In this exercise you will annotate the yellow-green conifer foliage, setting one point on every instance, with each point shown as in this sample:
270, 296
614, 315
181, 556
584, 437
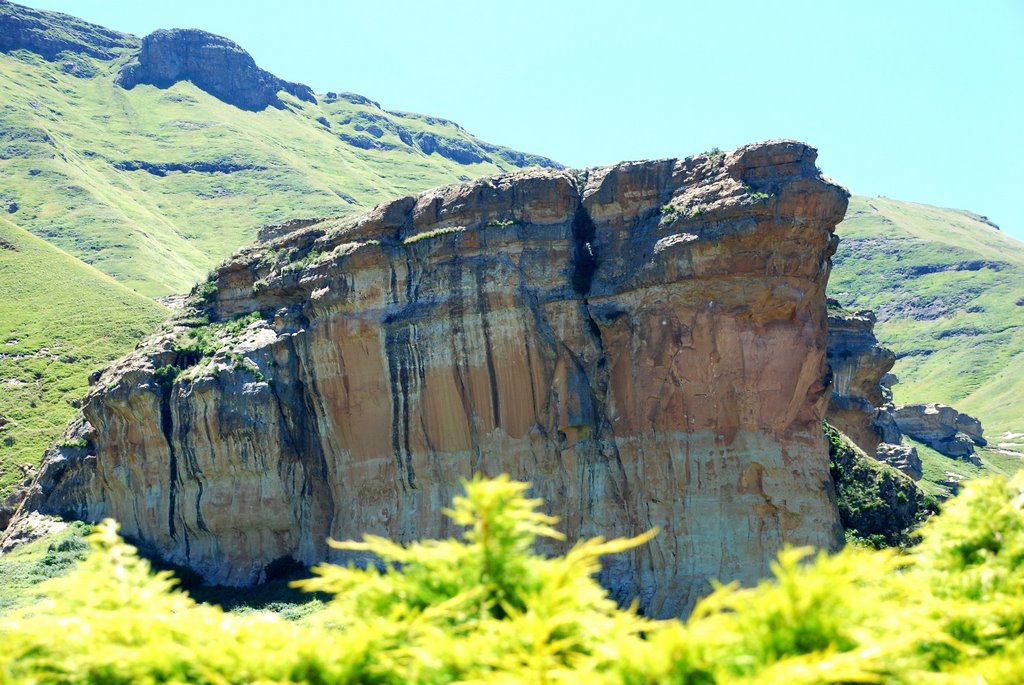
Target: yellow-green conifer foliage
487, 608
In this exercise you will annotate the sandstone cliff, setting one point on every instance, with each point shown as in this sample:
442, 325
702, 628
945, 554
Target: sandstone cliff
646, 343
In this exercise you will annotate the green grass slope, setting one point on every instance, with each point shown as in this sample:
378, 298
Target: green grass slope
59, 320
948, 288
155, 186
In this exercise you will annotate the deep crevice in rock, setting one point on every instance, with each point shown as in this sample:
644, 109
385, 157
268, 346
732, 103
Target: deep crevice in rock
584, 259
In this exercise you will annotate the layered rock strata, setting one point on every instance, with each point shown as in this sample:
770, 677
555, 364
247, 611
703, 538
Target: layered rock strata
645, 343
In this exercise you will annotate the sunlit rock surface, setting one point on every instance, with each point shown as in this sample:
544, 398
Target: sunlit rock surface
645, 343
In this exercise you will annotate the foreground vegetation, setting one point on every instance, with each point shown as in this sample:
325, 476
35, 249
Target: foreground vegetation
488, 609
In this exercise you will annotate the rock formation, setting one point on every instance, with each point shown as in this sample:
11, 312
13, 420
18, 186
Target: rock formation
861, 404
858, 364
213, 63
901, 457
9, 505
646, 343
942, 428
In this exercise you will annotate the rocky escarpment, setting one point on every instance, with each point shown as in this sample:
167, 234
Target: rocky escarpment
213, 63
861, 405
646, 343
942, 428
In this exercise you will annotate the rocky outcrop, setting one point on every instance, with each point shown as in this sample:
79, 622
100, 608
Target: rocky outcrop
51, 34
901, 457
942, 428
217, 167
858, 365
213, 63
861, 405
645, 343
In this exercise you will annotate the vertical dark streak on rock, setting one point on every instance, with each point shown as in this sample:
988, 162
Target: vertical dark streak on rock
584, 259
167, 428
393, 285
199, 512
585, 256
193, 470
397, 398
396, 349
485, 326
304, 434
404, 373
460, 357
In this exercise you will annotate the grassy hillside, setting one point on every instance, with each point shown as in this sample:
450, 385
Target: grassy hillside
59, 320
155, 186
948, 288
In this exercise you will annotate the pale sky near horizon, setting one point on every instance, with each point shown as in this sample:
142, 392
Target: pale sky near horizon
914, 100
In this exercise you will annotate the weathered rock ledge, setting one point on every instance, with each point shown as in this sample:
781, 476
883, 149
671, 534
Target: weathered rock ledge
646, 343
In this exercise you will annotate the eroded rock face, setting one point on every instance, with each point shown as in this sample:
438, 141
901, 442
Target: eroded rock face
645, 343
213, 63
858, 366
941, 427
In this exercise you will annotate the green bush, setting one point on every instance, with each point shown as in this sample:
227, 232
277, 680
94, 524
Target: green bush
488, 609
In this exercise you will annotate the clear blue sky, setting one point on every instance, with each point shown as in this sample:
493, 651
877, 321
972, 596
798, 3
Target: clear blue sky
920, 100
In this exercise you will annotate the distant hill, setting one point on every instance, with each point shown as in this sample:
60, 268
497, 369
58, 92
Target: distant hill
155, 185
59, 320
948, 288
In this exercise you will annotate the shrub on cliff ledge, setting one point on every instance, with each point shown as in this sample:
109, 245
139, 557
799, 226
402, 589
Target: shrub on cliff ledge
488, 609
